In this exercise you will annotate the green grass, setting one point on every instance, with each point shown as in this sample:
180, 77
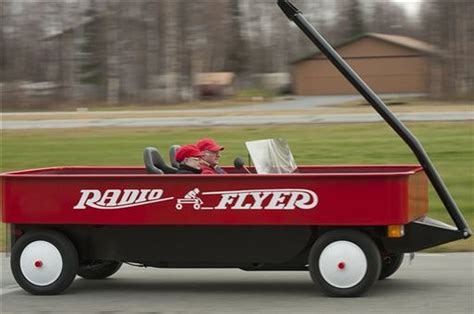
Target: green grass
3, 237
250, 93
450, 146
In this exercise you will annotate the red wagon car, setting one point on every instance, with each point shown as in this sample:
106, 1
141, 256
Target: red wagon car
348, 225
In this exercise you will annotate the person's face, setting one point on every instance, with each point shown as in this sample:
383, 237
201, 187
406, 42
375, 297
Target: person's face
211, 157
193, 162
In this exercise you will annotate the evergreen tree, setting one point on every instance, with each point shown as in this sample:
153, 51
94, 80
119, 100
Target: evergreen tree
237, 46
92, 67
356, 18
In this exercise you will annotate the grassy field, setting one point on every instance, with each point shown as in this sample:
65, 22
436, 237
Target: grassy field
450, 146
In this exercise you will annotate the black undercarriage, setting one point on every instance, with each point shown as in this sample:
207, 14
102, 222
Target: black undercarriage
246, 247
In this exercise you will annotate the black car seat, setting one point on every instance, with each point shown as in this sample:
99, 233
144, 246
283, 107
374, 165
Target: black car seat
154, 163
173, 150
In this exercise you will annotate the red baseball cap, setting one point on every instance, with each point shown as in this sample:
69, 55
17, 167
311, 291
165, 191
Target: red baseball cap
187, 151
209, 144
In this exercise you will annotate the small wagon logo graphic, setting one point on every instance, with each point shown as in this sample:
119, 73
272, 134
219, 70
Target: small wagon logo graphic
190, 198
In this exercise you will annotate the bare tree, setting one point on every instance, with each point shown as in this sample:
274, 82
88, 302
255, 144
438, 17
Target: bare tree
3, 42
449, 26
389, 18
349, 19
151, 50
236, 42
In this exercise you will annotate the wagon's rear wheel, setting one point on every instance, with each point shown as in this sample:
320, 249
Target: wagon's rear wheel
44, 262
344, 263
390, 264
98, 269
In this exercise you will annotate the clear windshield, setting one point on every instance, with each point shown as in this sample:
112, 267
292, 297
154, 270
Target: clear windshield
271, 156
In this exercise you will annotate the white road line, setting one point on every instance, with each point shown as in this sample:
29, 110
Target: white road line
9, 289
229, 120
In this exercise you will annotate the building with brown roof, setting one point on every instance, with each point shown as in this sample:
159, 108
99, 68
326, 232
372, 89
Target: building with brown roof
387, 63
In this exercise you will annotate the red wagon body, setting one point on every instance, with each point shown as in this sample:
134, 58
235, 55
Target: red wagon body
323, 195
91, 219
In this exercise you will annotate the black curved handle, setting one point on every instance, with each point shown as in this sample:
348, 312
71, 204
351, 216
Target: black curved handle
288, 8
296, 16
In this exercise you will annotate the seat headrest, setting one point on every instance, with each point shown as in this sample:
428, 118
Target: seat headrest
172, 152
154, 163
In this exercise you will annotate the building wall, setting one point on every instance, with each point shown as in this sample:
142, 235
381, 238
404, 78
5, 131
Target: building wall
386, 68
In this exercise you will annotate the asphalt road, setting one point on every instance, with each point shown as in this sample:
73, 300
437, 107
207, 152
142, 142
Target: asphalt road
310, 102
432, 283
215, 117
229, 120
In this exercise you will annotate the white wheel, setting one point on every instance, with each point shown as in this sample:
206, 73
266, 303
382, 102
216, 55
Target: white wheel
41, 263
179, 206
197, 206
343, 264
44, 262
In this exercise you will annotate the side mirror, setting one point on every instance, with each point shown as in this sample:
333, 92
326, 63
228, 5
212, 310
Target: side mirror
240, 164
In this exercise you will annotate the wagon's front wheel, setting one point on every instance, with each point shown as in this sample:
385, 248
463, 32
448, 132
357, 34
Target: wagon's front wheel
344, 263
44, 262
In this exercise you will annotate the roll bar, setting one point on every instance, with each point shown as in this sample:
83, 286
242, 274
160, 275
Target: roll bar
297, 17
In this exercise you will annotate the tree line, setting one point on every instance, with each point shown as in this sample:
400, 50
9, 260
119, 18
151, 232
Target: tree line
138, 51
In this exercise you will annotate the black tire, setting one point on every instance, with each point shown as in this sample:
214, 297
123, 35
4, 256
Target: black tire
98, 269
67, 259
390, 264
363, 245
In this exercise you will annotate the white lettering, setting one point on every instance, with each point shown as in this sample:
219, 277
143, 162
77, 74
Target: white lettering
128, 197
291, 202
259, 197
226, 199
240, 201
91, 196
277, 201
117, 199
304, 201
109, 198
266, 199
142, 197
155, 195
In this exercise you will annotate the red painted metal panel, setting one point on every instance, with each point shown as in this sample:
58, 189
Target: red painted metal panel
322, 195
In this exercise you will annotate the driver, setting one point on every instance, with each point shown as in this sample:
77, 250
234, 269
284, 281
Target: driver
189, 157
210, 156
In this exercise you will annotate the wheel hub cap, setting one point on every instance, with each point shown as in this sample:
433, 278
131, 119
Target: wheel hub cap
342, 264
41, 263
